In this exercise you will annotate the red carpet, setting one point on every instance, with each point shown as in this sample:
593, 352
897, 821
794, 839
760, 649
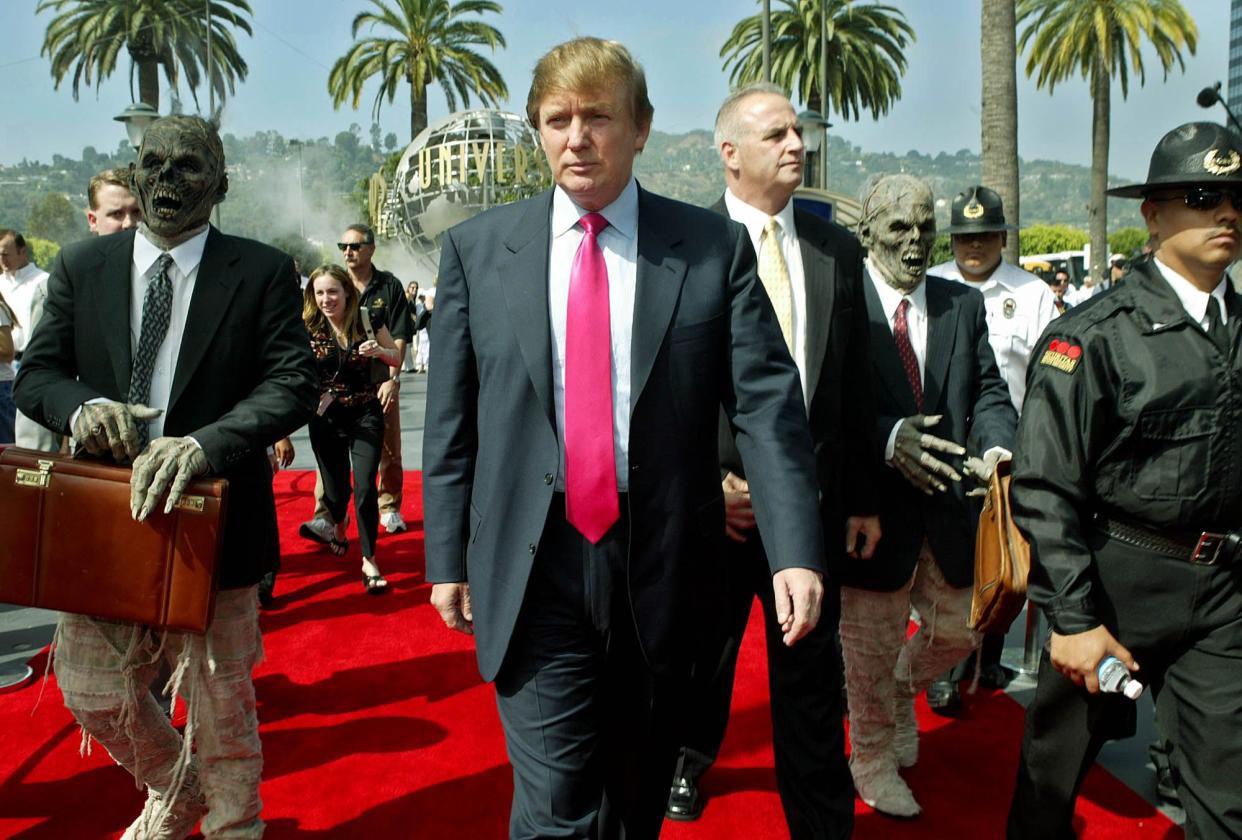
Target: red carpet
375, 724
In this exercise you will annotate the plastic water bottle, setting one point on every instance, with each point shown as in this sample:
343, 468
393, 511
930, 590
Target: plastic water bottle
1115, 678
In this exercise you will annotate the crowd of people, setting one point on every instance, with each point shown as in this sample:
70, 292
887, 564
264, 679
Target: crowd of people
641, 416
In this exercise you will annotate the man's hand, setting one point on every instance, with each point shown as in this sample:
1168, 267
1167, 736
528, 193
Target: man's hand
867, 527
110, 428
284, 452
1079, 654
981, 469
739, 516
452, 601
167, 464
799, 597
912, 454
388, 391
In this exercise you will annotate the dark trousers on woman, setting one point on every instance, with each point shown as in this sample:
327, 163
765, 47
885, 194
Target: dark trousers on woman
341, 435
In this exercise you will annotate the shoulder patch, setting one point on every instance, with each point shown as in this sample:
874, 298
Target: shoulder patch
1062, 355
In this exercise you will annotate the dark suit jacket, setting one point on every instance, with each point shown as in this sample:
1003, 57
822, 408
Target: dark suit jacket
703, 336
245, 376
961, 381
838, 372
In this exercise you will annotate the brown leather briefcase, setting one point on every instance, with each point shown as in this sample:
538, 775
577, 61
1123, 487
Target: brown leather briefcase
1002, 560
69, 543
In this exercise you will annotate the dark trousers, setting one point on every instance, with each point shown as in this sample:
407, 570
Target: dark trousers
804, 681
588, 726
340, 435
1183, 625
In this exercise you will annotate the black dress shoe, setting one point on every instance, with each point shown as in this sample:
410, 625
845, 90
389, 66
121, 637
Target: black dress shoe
684, 803
995, 676
267, 586
944, 698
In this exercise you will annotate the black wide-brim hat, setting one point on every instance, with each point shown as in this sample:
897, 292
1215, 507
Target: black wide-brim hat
977, 210
1197, 154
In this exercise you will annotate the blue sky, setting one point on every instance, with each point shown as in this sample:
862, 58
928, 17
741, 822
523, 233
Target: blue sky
296, 41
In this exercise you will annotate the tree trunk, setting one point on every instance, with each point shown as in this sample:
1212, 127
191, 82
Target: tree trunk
149, 82
1097, 210
418, 109
999, 110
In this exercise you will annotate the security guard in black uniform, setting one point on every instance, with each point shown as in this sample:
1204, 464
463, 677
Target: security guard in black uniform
1128, 480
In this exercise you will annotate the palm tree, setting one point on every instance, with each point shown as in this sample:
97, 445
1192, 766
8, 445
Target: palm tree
87, 36
999, 109
866, 43
1098, 39
431, 44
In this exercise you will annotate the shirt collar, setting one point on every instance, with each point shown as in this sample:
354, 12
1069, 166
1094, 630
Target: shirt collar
29, 271
890, 298
187, 255
1193, 300
1004, 275
755, 219
622, 214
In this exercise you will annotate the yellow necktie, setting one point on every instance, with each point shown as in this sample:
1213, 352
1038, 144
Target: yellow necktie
775, 277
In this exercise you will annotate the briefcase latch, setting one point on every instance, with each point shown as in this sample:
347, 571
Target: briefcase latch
35, 478
191, 504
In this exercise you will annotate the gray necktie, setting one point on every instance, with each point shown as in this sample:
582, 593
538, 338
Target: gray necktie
156, 310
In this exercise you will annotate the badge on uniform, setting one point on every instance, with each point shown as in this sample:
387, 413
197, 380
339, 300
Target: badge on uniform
1009, 307
377, 302
1062, 355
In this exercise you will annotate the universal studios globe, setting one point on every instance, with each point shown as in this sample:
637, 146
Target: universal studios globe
456, 168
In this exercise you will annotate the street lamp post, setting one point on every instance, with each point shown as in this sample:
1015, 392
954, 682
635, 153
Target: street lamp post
814, 138
136, 118
301, 195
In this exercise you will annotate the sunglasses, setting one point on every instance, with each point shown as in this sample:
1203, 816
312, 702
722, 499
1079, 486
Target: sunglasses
1205, 199
352, 246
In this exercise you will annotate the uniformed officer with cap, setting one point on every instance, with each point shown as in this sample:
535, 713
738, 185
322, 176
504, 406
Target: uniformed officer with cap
1019, 308
1128, 480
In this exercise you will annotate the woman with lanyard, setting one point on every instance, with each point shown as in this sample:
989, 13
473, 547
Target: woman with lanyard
349, 423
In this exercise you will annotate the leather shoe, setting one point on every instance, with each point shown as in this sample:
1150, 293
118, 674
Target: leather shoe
995, 676
944, 698
684, 803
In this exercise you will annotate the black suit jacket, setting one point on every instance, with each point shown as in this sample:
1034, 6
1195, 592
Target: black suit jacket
703, 336
839, 377
245, 376
962, 382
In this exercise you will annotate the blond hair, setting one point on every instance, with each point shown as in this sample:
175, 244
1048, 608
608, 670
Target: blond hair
315, 320
590, 64
109, 177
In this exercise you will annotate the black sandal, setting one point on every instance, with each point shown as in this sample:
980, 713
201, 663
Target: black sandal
338, 547
374, 584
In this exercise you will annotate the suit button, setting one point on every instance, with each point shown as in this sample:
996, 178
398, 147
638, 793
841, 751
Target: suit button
547, 478
531, 548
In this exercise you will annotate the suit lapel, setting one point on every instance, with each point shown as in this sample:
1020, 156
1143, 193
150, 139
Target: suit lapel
213, 289
523, 275
660, 276
113, 296
819, 272
941, 325
884, 353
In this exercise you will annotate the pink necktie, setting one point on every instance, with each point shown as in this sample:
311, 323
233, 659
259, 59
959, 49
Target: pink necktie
591, 503
909, 361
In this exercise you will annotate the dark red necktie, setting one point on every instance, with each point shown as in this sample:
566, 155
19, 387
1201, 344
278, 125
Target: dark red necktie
591, 503
905, 350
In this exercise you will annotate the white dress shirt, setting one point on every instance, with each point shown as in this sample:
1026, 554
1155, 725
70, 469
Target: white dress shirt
755, 220
18, 288
183, 273
1193, 300
1019, 307
916, 321
619, 244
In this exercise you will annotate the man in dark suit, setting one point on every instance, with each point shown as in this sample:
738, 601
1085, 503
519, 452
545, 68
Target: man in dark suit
935, 370
812, 270
180, 334
585, 342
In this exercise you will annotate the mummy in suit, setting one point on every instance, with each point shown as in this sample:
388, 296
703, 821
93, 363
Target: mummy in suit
938, 393
586, 340
181, 334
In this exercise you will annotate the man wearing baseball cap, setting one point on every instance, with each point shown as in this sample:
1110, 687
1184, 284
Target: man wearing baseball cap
1128, 480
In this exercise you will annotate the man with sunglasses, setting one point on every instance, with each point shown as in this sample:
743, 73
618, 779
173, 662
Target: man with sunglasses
1128, 480
383, 296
